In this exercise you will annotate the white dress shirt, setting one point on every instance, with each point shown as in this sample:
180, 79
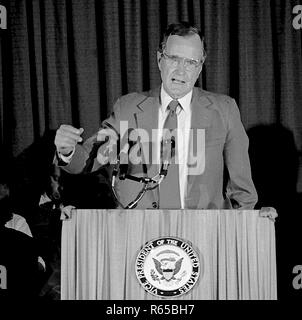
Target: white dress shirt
183, 125
19, 223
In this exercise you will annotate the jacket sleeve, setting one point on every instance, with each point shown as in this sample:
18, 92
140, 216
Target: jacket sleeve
240, 187
86, 156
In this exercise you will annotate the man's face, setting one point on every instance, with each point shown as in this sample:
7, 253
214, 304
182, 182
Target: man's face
54, 188
4, 203
178, 79
4, 190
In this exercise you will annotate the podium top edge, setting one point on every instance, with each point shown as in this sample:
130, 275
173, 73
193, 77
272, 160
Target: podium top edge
185, 211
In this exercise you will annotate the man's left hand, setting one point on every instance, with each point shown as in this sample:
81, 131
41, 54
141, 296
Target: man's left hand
268, 212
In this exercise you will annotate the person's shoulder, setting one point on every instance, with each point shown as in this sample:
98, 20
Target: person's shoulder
214, 97
8, 234
128, 103
222, 103
133, 97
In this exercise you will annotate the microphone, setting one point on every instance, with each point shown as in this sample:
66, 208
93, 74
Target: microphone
167, 152
123, 160
120, 168
124, 157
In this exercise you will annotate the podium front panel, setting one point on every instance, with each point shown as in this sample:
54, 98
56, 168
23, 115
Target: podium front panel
236, 250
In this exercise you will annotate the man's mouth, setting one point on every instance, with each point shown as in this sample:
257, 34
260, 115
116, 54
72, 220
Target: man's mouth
178, 81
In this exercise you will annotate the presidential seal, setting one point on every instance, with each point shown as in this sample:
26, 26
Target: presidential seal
167, 267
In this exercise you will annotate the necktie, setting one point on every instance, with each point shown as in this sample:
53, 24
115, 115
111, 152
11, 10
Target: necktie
169, 188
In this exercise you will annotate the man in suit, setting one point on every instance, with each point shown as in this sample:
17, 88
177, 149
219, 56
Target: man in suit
18, 255
207, 129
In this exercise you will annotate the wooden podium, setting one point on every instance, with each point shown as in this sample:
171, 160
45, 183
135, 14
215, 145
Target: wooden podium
100, 247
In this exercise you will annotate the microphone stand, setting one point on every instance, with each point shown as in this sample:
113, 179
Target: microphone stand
149, 183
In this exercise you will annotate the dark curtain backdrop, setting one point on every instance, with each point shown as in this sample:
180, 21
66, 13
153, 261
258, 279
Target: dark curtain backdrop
67, 61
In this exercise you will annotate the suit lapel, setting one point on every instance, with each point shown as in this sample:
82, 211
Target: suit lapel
146, 118
201, 115
147, 112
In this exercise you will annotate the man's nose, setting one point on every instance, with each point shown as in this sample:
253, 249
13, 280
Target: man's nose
181, 66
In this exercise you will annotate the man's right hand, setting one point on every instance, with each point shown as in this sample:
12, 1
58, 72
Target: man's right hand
66, 138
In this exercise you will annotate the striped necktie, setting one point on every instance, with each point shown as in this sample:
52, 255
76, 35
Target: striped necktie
169, 188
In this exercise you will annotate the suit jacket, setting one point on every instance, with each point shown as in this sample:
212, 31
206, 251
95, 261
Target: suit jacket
226, 146
19, 257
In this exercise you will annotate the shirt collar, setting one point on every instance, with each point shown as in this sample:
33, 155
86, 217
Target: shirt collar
185, 101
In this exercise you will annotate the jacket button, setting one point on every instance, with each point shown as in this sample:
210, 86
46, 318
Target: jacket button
154, 205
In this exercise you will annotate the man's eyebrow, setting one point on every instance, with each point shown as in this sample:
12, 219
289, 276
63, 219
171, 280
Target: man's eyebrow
192, 59
175, 55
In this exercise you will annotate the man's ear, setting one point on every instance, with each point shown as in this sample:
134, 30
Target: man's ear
200, 69
159, 56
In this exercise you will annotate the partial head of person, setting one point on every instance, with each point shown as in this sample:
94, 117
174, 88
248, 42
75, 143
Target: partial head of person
5, 202
53, 183
180, 58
